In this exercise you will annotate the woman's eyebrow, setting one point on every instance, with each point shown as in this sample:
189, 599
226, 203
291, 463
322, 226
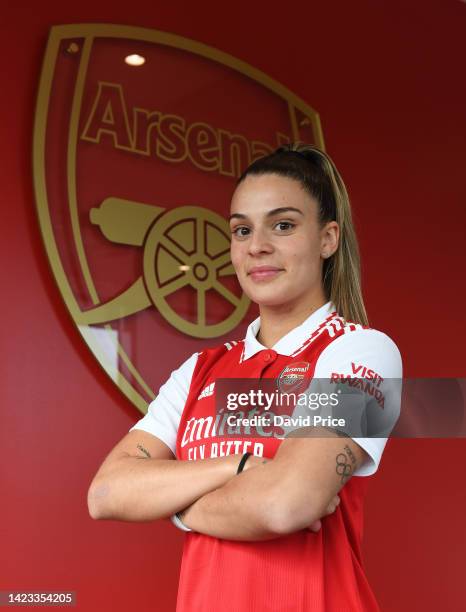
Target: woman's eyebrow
271, 213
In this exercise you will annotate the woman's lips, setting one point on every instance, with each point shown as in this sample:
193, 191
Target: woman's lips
259, 273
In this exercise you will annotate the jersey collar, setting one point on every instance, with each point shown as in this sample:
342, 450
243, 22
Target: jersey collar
293, 339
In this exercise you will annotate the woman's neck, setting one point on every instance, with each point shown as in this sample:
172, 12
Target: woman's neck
276, 322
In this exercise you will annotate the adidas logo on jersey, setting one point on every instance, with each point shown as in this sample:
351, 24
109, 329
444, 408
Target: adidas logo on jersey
209, 390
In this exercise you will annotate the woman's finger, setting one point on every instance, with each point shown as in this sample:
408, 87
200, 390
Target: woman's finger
315, 526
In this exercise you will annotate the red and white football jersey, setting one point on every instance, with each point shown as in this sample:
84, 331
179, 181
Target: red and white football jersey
302, 571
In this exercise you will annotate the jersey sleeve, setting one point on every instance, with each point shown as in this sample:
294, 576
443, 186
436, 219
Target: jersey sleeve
164, 412
373, 357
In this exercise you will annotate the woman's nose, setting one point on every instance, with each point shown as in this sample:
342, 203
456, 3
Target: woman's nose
259, 243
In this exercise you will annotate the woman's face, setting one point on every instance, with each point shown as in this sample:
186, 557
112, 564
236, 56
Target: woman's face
277, 243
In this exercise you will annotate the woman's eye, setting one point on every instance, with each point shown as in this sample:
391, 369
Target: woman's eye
283, 226
240, 231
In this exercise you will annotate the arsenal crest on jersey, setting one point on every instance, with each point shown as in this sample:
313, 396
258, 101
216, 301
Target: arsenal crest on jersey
294, 378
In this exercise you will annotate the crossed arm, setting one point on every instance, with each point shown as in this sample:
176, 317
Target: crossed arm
280, 496
274, 498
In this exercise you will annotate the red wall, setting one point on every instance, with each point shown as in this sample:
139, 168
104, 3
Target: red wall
387, 80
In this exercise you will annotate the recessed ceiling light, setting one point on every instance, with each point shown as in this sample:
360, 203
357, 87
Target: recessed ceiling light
135, 60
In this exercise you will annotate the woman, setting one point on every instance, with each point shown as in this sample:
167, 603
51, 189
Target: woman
255, 541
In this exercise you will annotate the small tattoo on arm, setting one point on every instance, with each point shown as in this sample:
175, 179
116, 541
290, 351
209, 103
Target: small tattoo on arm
344, 468
350, 454
145, 451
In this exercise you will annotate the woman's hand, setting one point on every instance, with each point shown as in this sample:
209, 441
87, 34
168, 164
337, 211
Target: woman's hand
316, 525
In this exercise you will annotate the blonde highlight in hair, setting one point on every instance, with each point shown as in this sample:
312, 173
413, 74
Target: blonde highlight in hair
315, 170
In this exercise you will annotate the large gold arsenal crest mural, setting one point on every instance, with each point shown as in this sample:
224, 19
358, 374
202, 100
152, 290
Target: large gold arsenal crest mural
139, 139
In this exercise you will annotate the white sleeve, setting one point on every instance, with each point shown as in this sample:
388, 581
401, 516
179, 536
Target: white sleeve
164, 412
347, 356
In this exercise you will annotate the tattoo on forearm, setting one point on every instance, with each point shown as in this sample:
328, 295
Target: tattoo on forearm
144, 450
343, 466
350, 454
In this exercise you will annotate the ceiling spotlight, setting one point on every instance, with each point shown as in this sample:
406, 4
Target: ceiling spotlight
135, 60
184, 268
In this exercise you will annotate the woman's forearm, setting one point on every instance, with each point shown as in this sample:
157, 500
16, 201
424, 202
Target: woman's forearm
242, 509
145, 489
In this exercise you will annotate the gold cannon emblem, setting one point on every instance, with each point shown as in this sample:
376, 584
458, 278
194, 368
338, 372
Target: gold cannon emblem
185, 246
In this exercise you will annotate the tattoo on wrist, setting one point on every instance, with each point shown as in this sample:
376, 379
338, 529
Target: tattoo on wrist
144, 450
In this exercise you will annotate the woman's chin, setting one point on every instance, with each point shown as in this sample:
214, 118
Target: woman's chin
268, 297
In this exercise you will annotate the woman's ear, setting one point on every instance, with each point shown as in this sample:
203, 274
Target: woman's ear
330, 235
